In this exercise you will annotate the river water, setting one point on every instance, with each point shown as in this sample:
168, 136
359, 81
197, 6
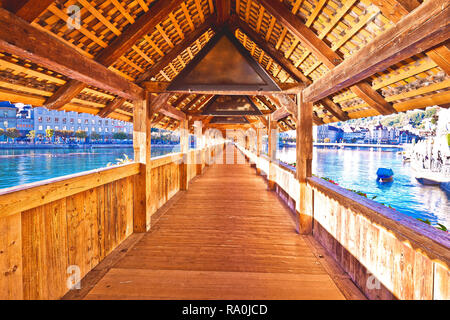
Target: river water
355, 168
19, 167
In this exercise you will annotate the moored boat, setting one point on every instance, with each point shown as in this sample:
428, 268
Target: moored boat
385, 175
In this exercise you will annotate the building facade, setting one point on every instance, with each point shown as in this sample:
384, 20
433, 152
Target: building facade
26, 118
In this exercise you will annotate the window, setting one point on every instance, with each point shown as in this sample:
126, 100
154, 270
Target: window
93, 121
79, 120
86, 129
99, 129
56, 128
100, 122
93, 129
86, 121
56, 120
106, 129
106, 122
48, 119
64, 120
40, 119
40, 128
72, 120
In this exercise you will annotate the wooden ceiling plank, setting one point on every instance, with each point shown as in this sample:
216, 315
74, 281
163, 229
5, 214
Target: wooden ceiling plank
118, 47
177, 50
111, 107
423, 28
394, 10
49, 52
28, 10
223, 8
321, 50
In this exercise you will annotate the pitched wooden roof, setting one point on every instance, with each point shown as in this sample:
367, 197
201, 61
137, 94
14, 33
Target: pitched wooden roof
295, 41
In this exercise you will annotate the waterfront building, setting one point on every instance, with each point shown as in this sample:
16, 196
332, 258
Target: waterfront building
72, 121
8, 117
26, 118
327, 133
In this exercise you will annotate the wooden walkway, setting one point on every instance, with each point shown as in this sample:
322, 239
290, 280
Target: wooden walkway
228, 237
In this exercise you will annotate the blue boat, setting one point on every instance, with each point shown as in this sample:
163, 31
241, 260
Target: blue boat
385, 175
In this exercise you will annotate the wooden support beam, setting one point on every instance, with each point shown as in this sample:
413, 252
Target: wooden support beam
142, 116
108, 56
172, 112
306, 36
49, 52
184, 149
334, 109
276, 55
111, 107
160, 101
286, 64
426, 26
223, 11
28, 10
394, 10
322, 52
64, 94
304, 145
190, 38
272, 132
158, 87
280, 113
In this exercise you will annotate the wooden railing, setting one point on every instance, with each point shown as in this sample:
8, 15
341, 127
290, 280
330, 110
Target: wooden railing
60, 227
388, 255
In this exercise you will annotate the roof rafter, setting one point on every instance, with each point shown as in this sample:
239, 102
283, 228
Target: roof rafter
117, 48
324, 53
28, 10
394, 10
285, 63
427, 26
49, 52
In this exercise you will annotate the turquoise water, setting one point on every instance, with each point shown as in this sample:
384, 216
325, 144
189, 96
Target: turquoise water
19, 167
355, 168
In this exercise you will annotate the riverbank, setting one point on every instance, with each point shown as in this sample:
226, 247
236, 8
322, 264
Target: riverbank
7, 146
359, 145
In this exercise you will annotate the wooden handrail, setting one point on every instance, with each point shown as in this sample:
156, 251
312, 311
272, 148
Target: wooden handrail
431, 241
163, 160
25, 197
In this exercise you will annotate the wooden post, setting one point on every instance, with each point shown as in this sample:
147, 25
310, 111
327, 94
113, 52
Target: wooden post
272, 151
304, 163
142, 116
258, 149
200, 147
184, 149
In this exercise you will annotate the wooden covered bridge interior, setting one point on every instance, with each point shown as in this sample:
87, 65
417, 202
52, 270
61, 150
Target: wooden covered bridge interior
195, 225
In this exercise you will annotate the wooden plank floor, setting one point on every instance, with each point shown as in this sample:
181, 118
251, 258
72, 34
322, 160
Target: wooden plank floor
228, 237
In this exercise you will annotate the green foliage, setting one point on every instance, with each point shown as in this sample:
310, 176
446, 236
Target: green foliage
49, 133
12, 133
439, 226
31, 135
80, 134
95, 136
120, 136
2, 132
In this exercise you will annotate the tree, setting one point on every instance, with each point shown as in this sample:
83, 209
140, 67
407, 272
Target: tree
12, 133
64, 134
81, 134
31, 135
95, 136
49, 133
120, 136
